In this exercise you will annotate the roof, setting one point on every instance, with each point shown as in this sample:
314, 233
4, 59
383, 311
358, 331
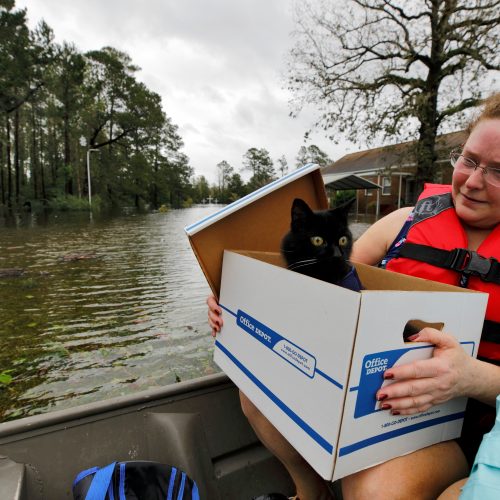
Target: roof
385, 157
348, 181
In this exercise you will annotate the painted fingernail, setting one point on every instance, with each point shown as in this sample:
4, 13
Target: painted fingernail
385, 406
388, 376
381, 397
414, 337
395, 412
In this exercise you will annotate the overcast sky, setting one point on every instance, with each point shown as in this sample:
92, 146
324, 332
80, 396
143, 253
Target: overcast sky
218, 65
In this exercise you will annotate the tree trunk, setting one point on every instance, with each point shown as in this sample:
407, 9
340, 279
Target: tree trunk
40, 162
53, 156
111, 125
2, 178
34, 153
427, 113
154, 194
67, 155
17, 170
426, 152
9, 164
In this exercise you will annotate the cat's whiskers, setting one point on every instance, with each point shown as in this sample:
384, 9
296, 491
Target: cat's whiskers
302, 263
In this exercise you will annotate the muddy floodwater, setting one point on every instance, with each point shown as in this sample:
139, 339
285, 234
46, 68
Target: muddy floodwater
97, 308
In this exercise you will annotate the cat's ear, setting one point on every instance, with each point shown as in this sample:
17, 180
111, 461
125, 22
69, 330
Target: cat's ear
300, 212
345, 207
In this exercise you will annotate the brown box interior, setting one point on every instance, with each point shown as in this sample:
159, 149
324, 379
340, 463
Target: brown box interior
259, 226
371, 277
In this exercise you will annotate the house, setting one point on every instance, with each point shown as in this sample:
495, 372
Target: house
391, 172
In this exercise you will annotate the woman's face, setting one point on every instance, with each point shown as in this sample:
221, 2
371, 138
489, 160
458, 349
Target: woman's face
478, 203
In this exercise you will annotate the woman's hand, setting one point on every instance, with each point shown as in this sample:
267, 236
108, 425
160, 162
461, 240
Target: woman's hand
424, 383
214, 315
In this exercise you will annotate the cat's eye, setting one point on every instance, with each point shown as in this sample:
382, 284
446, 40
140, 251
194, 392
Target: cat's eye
343, 241
317, 241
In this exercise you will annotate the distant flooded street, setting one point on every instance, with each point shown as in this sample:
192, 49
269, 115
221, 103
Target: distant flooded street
104, 308
101, 308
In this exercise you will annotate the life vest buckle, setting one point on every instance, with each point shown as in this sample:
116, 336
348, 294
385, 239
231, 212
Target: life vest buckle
469, 262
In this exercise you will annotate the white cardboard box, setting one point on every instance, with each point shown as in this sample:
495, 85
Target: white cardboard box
311, 355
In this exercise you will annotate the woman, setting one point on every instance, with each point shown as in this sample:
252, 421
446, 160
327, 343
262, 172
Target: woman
474, 205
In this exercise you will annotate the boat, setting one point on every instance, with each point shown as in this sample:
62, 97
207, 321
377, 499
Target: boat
197, 426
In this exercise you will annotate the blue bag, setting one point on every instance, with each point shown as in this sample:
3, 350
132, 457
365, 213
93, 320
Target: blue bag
134, 480
484, 479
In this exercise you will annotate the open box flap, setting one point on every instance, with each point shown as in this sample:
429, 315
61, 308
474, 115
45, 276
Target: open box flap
374, 278
256, 222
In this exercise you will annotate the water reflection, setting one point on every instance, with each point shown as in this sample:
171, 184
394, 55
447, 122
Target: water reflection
104, 307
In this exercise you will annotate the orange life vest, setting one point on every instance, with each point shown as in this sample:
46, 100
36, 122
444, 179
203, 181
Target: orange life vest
435, 224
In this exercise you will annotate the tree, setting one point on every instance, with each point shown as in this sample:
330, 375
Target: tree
224, 173
23, 57
65, 84
236, 187
259, 162
201, 189
282, 165
395, 68
51, 96
312, 154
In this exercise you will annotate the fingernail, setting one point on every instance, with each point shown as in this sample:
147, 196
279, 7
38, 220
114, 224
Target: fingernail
388, 376
381, 397
395, 412
385, 406
413, 337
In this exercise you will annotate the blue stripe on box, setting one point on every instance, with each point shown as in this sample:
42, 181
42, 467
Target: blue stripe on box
346, 450
228, 310
330, 379
280, 404
316, 370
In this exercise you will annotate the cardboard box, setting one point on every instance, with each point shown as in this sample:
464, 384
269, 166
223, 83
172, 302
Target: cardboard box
311, 355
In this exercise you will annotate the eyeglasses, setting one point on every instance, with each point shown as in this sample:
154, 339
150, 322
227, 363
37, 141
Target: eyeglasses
467, 165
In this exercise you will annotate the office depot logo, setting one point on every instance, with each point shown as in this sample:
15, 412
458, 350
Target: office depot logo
376, 365
371, 377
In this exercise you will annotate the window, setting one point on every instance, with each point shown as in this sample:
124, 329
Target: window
386, 186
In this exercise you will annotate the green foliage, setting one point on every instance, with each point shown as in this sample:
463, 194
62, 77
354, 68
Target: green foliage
64, 112
282, 166
236, 187
63, 104
66, 203
201, 189
343, 196
5, 377
187, 203
259, 162
312, 154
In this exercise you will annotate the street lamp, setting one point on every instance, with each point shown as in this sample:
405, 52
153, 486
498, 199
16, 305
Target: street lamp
83, 143
88, 175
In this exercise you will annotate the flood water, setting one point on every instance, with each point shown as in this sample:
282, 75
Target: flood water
103, 308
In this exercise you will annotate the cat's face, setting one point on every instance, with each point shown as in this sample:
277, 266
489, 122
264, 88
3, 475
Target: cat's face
317, 235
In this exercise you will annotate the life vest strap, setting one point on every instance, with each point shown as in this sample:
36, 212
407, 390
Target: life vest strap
461, 260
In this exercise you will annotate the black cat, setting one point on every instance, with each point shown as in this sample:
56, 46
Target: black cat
319, 244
